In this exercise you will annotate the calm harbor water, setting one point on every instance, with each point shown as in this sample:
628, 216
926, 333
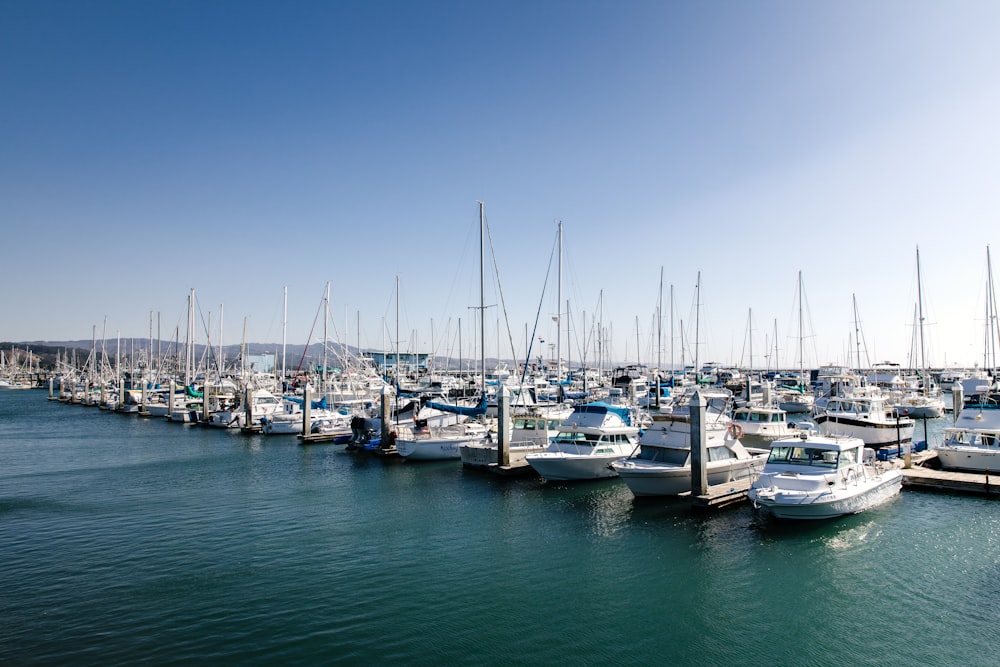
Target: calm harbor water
126, 539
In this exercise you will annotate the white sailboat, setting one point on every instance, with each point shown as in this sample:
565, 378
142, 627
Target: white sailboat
925, 401
420, 444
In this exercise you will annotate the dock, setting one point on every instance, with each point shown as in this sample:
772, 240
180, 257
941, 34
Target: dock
720, 495
323, 438
927, 476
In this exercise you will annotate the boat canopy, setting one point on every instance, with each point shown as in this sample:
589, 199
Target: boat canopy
316, 405
465, 410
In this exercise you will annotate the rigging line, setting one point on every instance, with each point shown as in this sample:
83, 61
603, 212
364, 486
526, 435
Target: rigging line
538, 313
503, 303
309, 339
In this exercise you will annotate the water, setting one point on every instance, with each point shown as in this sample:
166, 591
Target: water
125, 539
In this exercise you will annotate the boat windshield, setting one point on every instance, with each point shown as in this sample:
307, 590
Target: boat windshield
811, 456
667, 455
972, 438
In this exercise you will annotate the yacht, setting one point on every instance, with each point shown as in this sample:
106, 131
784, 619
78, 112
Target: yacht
865, 414
760, 424
973, 443
589, 440
532, 429
822, 477
662, 464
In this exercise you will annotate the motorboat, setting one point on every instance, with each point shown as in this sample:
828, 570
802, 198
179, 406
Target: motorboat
589, 440
973, 443
865, 414
661, 466
822, 477
531, 432
760, 424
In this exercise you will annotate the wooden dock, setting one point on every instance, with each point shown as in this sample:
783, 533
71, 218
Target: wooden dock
928, 477
321, 438
721, 495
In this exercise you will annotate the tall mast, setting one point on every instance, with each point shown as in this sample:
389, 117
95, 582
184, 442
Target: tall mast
920, 313
284, 331
222, 359
326, 320
801, 359
189, 342
659, 337
558, 306
673, 368
697, 318
482, 299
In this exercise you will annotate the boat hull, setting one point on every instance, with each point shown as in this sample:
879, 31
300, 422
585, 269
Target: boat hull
484, 456
432, 449
826, 504
973, 459
657, 479
873, 434
563, 467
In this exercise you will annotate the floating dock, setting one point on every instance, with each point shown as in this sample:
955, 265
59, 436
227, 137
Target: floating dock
721, 495
928, 477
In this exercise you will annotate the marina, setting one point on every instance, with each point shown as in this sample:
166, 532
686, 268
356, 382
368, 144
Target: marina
127, 534
478, 334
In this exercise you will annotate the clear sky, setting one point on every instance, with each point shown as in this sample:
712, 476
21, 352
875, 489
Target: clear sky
241, 147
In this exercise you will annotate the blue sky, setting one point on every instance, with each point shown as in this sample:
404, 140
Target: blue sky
239, 148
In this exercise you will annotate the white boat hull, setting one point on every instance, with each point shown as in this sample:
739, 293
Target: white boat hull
873, 435
483, 456
656, 479
432, 449
561, 466
829, 503
974, 459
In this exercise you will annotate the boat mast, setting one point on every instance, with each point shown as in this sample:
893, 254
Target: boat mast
697, 321
189, 342
989, 352
558, 305
659, 338
482, 299
673, 368
801, 359
284, 332
326, 320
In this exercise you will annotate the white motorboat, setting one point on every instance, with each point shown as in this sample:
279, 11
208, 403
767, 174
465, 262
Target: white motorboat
973, 443
760, 424
662, 464
920, 405
425, 444
531, 432
822, 477
865, 414
589, 440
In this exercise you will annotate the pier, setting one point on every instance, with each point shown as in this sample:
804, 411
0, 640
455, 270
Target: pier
928, 477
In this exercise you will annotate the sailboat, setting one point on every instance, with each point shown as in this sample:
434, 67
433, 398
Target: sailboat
973, 443
925, 401
422, 443
794, 398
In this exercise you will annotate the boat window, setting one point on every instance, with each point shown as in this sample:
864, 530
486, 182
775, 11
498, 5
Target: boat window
666, 455
720, 454
779, 454
804, 456
847, 458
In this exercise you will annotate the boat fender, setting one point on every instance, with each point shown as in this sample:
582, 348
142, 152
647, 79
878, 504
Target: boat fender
735, 431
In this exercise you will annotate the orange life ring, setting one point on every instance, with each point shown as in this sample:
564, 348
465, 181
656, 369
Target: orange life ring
735, 431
